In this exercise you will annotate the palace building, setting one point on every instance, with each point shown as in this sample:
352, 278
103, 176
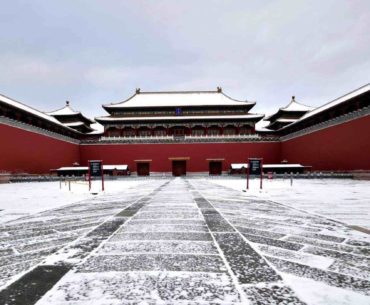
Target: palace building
179, 115
287, 115
186, 132
73, 119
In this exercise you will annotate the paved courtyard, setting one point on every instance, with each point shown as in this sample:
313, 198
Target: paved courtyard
182, 241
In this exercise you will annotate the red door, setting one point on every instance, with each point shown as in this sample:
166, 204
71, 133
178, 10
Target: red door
178, 168
215, 167
143, 168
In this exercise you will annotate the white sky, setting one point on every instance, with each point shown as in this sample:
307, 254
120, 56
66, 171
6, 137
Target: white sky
94, 52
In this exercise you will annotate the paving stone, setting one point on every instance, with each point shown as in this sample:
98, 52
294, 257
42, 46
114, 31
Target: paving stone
209, 211
107, 228
77, 227
127, 213
203, 203
175, 247
328, 277
356, 259
347, 267
297, 256
162, 236
6, 252
47, 244
153, 262
193, 215
358, 243
327, 245
249, 223
260, 232
28, 235
273, 242
155, 208
248, 266
272, 295
148, 288
216, 223
323, 237
164, 228
30, 287
7, 272
12, 259
194, 222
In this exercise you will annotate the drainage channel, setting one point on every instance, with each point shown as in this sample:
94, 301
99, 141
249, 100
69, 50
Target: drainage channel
28, 289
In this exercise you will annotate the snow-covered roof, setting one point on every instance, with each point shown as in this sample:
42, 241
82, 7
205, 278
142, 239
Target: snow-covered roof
293, 106
282, 166
74, 124
180, 118
239, 165
75, 168
97, 129
274, 125
245, 165
67, 110
31, 110
117, 167
106, 167
178, 99
336, 102
285, 120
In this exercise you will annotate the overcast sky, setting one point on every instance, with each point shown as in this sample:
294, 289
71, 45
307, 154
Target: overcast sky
93, 52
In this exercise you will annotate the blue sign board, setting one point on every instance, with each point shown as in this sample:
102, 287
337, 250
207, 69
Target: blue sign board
178, 111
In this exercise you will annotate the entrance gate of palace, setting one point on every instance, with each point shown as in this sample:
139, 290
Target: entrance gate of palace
215, 168
178, 168
143, 169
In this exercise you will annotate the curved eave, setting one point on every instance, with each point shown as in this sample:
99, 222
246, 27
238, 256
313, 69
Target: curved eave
18, 106
85, 129
362, 91
277, 115
79, 117
120, 105
109, 120
276, 125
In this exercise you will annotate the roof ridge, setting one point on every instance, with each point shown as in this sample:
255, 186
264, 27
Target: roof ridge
293, 101
42, 112
67, 105
138, 92
182, 92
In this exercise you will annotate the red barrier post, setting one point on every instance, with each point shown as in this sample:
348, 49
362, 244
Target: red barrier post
102, 176
89, 174
261, 173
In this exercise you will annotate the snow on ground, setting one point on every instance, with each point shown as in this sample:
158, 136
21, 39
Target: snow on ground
21, 199
184, 241
345, 200
318, 293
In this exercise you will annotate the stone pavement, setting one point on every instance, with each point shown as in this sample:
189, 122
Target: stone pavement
184, 241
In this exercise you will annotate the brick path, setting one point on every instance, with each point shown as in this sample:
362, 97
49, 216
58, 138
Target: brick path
186, 241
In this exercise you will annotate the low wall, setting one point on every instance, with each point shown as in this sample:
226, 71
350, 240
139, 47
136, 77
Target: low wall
30, 152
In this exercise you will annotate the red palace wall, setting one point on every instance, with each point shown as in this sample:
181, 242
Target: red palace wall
26, 151
197, 152
341, 147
